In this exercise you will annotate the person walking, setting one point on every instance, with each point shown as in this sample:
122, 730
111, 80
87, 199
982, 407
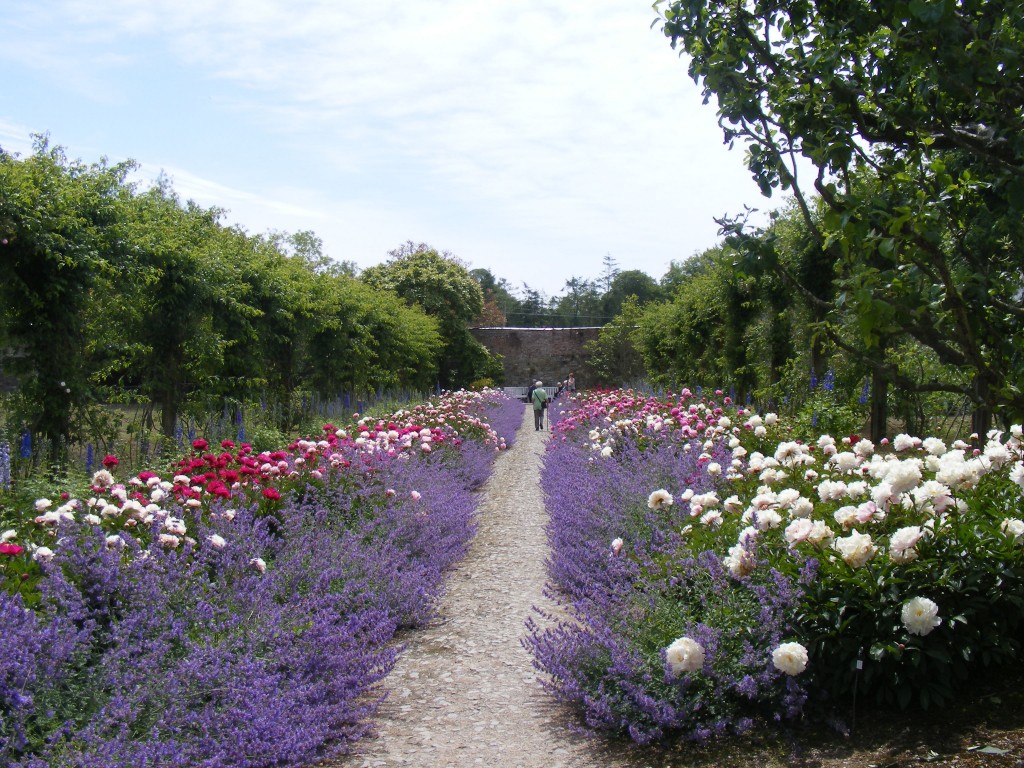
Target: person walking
540, 402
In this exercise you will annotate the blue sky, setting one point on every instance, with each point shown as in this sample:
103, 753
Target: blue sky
531, 138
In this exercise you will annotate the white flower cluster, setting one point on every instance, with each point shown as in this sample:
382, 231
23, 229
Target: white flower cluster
686, 656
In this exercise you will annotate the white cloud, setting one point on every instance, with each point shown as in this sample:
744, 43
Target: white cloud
564, 128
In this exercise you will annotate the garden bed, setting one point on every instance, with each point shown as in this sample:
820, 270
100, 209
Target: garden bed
243, 612
724, 578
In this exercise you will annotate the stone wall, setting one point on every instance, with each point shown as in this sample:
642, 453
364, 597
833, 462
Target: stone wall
545, 354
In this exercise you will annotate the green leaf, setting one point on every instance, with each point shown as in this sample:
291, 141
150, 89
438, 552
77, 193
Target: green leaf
928, 11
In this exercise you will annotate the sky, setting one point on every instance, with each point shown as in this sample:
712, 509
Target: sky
533, 138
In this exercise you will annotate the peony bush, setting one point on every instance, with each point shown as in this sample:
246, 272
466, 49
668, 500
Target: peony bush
241, 608
717, 571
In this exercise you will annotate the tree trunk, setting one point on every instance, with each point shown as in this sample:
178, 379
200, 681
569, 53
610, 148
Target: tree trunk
169, 411
878, 420
981, 418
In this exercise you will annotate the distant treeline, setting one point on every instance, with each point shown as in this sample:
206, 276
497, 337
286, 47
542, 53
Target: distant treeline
111, 293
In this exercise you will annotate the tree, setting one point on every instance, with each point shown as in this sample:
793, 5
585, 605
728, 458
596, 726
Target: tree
498, 301
532, 310
609, 272
632, 282
581, 304
59, 226
679, 272
682, 340
913, 115
444, 289
613, 357
369, 339
193, 303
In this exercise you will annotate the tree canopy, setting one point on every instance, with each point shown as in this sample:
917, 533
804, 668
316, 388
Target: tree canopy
913, 116
444, 289
111, 293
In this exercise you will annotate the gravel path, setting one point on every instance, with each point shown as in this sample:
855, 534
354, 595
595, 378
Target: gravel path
464, 692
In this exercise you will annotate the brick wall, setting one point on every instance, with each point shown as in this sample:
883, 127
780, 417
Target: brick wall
547, 354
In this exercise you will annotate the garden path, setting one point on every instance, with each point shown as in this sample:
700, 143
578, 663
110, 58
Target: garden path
464, 693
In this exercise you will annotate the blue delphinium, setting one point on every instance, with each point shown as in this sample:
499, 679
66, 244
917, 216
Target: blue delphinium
5, 464
829, 382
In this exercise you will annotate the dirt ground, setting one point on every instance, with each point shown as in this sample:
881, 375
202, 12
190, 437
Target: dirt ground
464, 692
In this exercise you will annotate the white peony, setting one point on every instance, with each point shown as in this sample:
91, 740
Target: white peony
739, 562
802, 508
786, 497
1017, 473
790, 658
659, 499
102, 479
920, 616
846, 517
767, 518
846, 461
855, 549
684, 655
712, 519
1011, 526
733, 504
864, 448
903, 543
798, 530
904, 476
904, 442
820, 534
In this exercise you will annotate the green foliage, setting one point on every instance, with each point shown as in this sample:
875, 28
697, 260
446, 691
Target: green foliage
613, 357
624, 285
445, 290
128, 297
696, 337
581, 305
58, 234
912, 116
826, 413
